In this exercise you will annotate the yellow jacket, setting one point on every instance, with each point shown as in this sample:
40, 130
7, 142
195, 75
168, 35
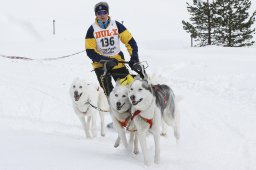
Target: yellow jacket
92, 48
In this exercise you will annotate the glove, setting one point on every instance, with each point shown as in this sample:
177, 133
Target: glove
111, 63
113, 60
136, 67
131, 64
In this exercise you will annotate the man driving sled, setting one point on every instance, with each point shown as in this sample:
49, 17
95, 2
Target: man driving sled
102, 43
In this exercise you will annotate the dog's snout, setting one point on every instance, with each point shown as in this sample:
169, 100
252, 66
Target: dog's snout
118, 104
76, 93
132, 97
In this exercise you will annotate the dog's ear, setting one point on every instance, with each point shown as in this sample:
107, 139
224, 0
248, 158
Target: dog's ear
128, 86
146, 77
118, 82
137, 77
76, 79
147, 86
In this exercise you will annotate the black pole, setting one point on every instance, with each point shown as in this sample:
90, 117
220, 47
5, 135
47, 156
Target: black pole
191, 41
53, 27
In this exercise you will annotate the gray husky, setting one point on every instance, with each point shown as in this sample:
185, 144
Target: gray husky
152, 104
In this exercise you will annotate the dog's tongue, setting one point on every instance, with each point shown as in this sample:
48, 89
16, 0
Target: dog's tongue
76, 97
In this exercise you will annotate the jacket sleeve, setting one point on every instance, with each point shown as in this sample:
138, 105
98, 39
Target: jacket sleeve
128, 40
91, 46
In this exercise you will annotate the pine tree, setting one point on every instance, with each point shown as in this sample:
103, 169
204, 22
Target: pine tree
234, 23
201, 26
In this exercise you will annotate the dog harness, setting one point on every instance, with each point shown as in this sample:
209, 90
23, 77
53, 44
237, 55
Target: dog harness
149, 121
164, 96
125, 122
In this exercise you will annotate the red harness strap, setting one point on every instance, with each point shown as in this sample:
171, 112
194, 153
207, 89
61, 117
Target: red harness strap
165, 100
157, 88
149, 121
123, 123
136, 113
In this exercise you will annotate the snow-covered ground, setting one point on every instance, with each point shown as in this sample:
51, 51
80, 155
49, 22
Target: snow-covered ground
39, 129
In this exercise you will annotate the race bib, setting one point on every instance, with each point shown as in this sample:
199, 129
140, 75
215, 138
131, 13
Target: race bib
108, 42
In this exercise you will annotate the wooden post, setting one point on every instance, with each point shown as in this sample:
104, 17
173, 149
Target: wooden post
53, 22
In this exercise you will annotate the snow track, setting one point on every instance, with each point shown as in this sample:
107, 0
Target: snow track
217, 114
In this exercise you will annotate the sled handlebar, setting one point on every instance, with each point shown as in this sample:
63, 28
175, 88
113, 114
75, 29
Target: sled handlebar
105, 61
139, 67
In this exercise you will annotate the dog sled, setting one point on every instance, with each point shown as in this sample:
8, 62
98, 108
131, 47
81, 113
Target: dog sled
140, 69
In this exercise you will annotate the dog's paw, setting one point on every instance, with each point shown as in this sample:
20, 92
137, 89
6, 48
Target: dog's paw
136, 151
88, 136
157, 161
163, 134
102, 132
116, 145
147, 163
177, 142
110, 125
94, 133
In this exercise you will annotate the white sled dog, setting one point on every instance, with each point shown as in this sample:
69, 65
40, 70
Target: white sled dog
120, 107
88, 100
150, 104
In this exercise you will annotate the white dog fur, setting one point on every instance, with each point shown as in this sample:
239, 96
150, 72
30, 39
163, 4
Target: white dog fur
121, 115
85, 96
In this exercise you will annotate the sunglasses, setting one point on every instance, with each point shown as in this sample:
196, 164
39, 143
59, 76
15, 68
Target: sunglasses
102, 12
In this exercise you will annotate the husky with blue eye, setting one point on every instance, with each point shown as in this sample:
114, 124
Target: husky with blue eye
120, 111
88, 101
152, 104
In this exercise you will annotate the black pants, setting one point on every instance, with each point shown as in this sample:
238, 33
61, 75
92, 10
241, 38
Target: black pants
106, 83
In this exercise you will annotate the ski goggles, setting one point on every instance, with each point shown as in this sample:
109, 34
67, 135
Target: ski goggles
102, 12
